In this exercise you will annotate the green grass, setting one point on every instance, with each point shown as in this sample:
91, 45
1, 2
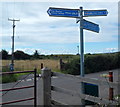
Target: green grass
12, 77
8, 78
56, 70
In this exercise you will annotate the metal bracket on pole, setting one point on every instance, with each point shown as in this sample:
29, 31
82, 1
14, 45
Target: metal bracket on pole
77, 20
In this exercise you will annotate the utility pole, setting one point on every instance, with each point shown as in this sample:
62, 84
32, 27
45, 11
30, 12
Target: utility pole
12, 60
78, 50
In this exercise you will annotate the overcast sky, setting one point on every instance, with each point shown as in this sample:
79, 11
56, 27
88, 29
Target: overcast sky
36, 30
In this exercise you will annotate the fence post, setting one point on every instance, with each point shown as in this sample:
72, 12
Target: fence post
46, 76
41, 65
111, 89
35, 87
61, 64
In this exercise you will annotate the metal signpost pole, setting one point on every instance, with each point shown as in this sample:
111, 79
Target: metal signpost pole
81, 52
81, 43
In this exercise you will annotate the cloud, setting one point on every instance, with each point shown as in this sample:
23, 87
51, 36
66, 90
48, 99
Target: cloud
111, 49
36, 27
63, 1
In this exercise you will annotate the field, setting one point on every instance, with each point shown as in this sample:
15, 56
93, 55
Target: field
31, 64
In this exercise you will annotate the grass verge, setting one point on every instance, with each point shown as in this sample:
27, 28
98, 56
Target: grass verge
12, 77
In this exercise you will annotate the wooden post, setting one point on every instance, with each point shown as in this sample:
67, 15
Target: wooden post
111, 89
35, 88
41, 65
46, 76
61, 65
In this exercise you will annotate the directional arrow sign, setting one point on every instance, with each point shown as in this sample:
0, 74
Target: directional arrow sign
90, 26
95, 13
62, 12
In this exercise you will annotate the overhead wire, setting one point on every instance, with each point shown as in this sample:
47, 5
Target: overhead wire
20, 5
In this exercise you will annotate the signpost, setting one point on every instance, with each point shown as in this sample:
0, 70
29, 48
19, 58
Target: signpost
84, 24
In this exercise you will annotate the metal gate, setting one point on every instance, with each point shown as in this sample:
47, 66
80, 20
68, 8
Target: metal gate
25, 87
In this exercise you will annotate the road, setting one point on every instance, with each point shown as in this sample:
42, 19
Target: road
63, 82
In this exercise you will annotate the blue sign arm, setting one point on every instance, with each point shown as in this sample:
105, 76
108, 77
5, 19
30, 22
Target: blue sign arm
88, 13
63, 12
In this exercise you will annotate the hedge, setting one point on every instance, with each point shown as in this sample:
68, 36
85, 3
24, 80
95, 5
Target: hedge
93, 63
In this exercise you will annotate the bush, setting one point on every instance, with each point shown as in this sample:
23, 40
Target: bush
72, 67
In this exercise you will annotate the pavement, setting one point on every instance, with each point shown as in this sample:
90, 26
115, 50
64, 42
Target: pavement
63, 82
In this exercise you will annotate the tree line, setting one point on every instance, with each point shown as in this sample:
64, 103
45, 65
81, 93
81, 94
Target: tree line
93, 62
20, 55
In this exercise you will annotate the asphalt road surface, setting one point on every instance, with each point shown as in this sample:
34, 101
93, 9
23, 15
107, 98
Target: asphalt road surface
63, 82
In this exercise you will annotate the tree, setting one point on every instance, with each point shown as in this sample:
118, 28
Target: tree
4, 54
21, 55
36, 55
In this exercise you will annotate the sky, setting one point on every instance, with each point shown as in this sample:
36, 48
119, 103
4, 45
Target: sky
36, 30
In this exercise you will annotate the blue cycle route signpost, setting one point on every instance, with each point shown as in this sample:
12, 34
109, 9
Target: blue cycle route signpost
84, 24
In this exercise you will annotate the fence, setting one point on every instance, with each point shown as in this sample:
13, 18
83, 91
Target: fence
25, 87
47, 89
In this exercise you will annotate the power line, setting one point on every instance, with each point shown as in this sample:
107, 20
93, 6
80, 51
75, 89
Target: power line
12, 60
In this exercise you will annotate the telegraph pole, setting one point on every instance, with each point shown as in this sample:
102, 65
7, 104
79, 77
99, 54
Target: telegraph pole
12, 60
78, 49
